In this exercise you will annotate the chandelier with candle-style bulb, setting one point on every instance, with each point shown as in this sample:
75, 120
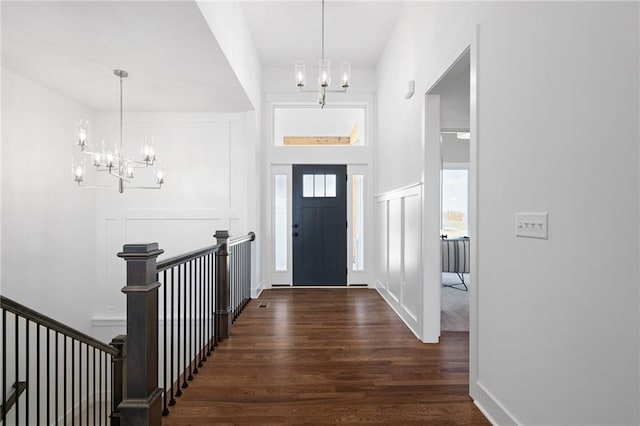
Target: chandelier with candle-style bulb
324, 74
114, 162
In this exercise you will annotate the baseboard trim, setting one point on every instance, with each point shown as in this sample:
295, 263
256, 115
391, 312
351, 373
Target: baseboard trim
257, 291
493, 410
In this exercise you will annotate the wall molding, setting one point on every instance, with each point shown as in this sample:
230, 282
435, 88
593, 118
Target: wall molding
399, 277
490, 407
399, 192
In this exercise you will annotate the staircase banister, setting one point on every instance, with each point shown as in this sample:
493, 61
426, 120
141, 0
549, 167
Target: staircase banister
181, 258
50, 323
251, 236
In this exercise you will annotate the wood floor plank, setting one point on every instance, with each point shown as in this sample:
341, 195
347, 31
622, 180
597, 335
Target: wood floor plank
329, 356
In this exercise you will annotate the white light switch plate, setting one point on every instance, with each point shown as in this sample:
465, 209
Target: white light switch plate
532, 225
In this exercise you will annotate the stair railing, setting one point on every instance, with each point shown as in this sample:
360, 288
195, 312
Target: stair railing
177, 312
54, 373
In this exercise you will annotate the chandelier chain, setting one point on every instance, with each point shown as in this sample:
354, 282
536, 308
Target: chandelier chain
322, 57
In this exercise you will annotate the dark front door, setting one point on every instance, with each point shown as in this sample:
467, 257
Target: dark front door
319, 225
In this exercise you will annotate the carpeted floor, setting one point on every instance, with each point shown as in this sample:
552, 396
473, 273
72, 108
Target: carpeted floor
455, 305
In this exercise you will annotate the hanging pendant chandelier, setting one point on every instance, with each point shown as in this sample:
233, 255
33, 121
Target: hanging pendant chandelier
114, 162
324, 74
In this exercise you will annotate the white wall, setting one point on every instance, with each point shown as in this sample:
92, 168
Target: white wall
454, 150
206, 188
557, 323
232, 33
48, 224
454, 99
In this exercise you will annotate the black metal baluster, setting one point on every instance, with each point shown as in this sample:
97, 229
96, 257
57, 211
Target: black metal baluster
238, 255
165, 411
106, 387
73, 381
79, 383
199, 314
212, 305
172, 401
38, 374
214, 329
184, 329
4, 363
194, 321
179, 390
202, 344
208, 307
232, 281
99, 386
205, 302
64, 378
216, 291
238, 278
17, 365
238, 274
26, 372
191, 319
48, 376
247, 285
247, 273
87, 391
243, 272
95, 411
56, 381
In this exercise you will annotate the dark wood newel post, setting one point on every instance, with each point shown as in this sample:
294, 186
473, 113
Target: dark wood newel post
119, 376
223, 292
142, 402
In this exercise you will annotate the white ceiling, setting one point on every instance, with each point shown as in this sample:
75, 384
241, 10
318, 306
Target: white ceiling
173, 60
355, 31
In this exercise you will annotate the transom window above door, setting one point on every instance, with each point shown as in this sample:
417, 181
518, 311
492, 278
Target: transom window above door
313, 126
318, 186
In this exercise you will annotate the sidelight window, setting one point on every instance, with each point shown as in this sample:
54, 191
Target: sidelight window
357, 221
281, 222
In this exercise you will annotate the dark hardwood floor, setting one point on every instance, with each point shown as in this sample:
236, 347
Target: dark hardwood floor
326, 356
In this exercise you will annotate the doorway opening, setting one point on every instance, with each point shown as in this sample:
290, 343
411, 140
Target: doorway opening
448, 161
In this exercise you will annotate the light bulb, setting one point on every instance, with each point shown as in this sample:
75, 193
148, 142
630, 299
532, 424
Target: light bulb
78, 170
299, 72
160, 176
345, 71
97, 159
129, 171
148, 153
109, 159
83, 133
324, 72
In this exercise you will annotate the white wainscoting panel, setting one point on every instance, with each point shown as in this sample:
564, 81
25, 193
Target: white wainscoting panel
394, 250
412, 265
382, 258
399, 242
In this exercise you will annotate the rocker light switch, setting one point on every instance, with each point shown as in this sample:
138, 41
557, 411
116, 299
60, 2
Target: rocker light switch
532, 225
